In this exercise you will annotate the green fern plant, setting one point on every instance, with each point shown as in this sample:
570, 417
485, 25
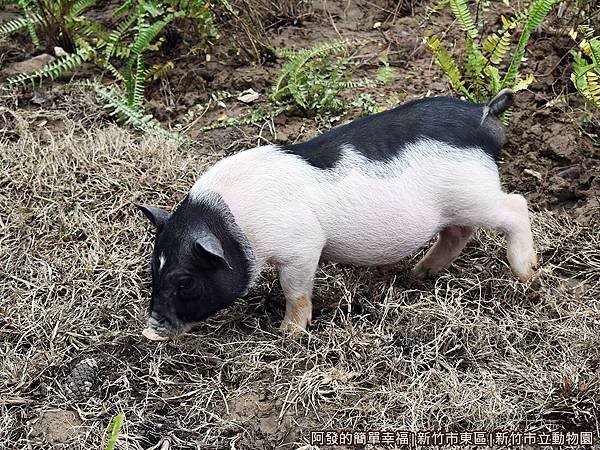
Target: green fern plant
201, 12
126, 102
54, 69
586, 65
136, 73
150, 17
120, 52
52, 23
481, 75
59, 22
114, 44
312, 79
119, 104
28, 20
14, 25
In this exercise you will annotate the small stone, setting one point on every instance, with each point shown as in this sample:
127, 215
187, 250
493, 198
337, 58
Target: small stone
57, 426
39, 98
30, 65
533, 173
60, 52
571, 172
248, 96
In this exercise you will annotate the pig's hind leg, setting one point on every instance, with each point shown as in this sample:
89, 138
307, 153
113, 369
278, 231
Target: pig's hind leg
507, 213
450, 243
512, 218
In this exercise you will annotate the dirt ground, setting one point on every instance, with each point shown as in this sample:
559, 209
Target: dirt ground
472, 349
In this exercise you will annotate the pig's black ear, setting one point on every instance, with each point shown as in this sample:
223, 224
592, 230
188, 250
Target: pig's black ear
157, 216
208, 244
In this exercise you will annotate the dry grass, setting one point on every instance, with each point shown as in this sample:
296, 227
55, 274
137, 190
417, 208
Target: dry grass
473, 349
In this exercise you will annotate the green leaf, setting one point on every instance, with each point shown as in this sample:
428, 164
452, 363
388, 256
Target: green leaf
586, 72
17, 24
54, 69
497, 45
115, 36
147, 33
448, 66
123, 8
298, 59
31, 22
494, 79
137, 94
79, 7
465, 19
115, 430
538, 12
474, 65
594, 44
593, 82
117, 102
385, 74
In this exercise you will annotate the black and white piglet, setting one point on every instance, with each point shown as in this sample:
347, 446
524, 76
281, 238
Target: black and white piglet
367, 193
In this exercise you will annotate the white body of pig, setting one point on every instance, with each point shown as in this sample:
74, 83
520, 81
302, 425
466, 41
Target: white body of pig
365, 212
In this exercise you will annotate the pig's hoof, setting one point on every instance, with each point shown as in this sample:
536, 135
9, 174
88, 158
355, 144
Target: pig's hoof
387, 269
292, 328
422, 272
535, 281
531, 277
526, 269
298, 315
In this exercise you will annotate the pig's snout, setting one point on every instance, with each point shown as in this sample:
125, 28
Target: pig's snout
150, 334
155, 331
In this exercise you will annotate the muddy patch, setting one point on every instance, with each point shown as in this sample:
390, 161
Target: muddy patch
57, 427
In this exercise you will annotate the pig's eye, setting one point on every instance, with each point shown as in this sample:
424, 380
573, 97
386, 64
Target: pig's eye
185, 283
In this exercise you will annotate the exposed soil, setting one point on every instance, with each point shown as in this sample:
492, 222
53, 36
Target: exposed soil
550, 157
470, 350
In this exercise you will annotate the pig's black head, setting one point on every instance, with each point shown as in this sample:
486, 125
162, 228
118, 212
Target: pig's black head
199, 265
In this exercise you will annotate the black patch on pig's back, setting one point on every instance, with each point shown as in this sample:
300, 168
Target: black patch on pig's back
383, 136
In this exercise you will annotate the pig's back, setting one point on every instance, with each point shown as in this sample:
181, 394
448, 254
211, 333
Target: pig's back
381, 137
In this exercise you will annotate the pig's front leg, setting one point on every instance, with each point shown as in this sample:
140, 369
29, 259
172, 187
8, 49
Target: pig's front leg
296, 280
